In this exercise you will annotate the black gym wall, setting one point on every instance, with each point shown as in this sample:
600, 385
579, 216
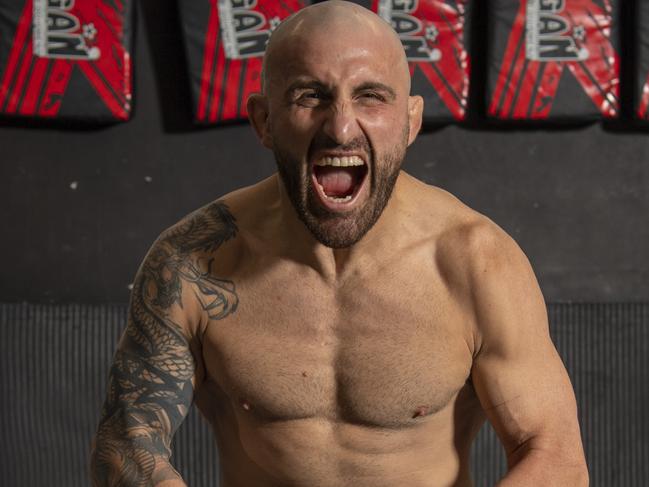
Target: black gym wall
81, 207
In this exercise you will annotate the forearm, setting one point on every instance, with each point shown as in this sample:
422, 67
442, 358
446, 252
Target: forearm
165, 477
129, 464
539, 468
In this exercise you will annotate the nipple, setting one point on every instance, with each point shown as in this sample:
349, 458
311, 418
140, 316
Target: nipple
420, 411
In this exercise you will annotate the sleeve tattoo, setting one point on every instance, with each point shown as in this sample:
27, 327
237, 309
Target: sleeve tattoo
150, 382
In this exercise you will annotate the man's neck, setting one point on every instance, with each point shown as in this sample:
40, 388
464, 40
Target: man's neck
294, 240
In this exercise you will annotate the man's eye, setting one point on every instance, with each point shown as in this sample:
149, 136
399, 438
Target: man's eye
309, 95
310, 98
371, 96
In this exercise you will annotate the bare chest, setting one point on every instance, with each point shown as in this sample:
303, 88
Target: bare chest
369, 353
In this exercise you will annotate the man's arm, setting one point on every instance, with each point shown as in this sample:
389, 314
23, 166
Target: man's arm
151, 383
517, 373
158, 364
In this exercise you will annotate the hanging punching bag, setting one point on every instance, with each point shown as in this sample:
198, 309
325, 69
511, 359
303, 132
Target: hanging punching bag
225, 41
434, 34
66, 59
642, 61
553, 59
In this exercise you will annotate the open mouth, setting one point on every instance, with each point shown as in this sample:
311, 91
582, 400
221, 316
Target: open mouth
339, 179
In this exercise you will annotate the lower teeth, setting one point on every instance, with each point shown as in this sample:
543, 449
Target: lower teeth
340, 200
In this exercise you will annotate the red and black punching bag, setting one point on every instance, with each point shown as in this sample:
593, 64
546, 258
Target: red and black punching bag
642, 61
553, 59
434, 35
225, 41
66, 59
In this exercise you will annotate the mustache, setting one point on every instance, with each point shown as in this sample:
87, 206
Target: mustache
327, 143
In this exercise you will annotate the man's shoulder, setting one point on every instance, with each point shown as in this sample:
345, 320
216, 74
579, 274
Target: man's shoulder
178, 276
203, 229
473, 237
454, 225
468, 244
218, 223
485, 272
201, 243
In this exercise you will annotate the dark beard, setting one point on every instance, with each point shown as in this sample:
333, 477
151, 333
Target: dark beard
330, 228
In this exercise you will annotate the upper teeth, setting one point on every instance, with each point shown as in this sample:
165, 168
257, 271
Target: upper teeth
340, 161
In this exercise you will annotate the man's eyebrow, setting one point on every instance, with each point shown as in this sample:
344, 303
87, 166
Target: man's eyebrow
377, 86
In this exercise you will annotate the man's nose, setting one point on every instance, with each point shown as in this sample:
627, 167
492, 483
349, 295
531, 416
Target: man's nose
341, 124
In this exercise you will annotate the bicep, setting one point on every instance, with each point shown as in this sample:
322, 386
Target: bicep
517, 373
526, 395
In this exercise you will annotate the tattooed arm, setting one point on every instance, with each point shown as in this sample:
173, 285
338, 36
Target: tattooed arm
154, 373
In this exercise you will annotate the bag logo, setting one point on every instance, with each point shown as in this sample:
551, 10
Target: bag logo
243, 36
549, 35
414, 37
57, 32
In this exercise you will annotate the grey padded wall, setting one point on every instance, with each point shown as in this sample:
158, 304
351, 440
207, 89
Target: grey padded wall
54, 362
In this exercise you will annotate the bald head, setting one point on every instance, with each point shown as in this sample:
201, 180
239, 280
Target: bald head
336, 85
322, 23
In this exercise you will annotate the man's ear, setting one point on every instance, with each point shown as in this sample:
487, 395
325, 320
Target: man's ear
415, 114
257, 106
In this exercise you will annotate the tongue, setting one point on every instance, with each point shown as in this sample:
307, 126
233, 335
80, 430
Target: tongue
336, 181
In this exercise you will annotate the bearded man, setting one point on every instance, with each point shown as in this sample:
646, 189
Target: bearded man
340, 323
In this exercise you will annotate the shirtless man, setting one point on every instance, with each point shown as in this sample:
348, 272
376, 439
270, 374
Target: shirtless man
337, 342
